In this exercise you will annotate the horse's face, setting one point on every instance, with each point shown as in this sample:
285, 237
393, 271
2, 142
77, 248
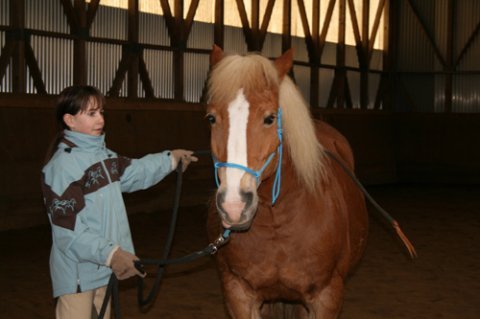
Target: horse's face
243, 132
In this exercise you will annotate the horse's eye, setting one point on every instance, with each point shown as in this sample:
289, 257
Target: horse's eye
269, 120
210, 118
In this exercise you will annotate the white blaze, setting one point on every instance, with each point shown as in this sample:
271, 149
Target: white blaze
238, 111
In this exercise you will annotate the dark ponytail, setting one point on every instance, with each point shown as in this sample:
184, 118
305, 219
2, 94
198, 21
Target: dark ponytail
72, 100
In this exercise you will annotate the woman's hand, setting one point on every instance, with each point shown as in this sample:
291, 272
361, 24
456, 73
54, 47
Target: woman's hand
123, 265
185, 156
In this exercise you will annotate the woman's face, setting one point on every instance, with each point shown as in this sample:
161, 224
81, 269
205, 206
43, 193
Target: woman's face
90, 121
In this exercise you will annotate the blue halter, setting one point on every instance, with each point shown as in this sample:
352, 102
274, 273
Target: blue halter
257, 174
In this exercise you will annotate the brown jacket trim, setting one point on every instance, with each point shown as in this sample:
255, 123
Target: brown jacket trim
116, 167
64, 208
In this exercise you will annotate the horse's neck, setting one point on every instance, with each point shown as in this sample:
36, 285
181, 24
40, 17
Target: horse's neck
289, 183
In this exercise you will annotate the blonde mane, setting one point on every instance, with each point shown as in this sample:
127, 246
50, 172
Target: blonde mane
253, 72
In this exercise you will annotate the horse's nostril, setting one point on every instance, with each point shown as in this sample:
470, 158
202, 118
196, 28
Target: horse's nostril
247, 198
220, 197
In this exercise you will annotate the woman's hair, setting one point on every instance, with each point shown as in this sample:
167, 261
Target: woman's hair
72, 100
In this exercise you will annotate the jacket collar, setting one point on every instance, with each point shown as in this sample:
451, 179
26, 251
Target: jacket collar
83, 141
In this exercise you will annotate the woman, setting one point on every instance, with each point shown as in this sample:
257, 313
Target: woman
82, 185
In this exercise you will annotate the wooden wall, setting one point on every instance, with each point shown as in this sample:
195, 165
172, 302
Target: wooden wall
389, 147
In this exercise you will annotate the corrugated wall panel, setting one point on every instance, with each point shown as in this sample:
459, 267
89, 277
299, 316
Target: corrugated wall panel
354, 85
107, 17
466, 96
273, 45
351, 56
103, 60
329, 55
160, 69
299, 49
302, 79
324, 85
195, 75
201, 36
414, 50
152, 29
47, 15
468, 12
441, 30
234, 40
376, 62
55, 60
439, 94
4, 9
373, 83
417, 89
5, 81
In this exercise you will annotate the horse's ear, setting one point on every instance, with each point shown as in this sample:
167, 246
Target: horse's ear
284, 63
216, 55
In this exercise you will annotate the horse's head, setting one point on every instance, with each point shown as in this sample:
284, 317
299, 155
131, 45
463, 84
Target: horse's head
243, 112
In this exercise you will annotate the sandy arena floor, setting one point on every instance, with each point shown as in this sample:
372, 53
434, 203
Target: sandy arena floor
443, 222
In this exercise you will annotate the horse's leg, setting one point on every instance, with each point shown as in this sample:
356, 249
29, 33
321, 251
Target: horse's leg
328, 302
241, 301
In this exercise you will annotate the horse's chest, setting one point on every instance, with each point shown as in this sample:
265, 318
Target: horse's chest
274, 268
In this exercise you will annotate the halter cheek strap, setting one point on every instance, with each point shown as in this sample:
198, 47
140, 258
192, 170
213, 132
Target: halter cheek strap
257, 174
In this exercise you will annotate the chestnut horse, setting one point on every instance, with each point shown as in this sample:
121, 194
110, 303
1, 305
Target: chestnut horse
299, 223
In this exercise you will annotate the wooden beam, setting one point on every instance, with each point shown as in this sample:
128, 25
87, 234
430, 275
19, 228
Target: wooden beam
312, 50
247, 32
365, 62
287, 25
7, 53
340, 70
376, 24
187, 27
17, 21
325, 27
314, 70
427, 32
355, 28
135, 50
390, 53
219, 26
178, 54
34, 69
467, 45
255, 24
71, 16
169, 21
79, 44
265, 22
120, 73
145, 78
449, 67
91, 12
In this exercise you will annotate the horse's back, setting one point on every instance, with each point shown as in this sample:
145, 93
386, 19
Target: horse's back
333, 141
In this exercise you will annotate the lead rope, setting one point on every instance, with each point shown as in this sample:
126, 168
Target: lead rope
211, 249
393, 222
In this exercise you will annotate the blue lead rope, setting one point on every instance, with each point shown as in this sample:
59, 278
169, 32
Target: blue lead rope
278, 174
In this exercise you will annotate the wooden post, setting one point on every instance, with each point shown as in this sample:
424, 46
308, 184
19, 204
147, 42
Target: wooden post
340, 72
79, 44
449, 63
219, 27
17, 36
134, 49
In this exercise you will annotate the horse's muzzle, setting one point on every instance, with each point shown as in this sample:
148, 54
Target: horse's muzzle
236, 214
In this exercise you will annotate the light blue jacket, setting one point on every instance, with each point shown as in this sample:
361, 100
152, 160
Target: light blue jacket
82, 187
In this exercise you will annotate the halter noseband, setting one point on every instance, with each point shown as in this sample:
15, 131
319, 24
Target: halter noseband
257, 174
